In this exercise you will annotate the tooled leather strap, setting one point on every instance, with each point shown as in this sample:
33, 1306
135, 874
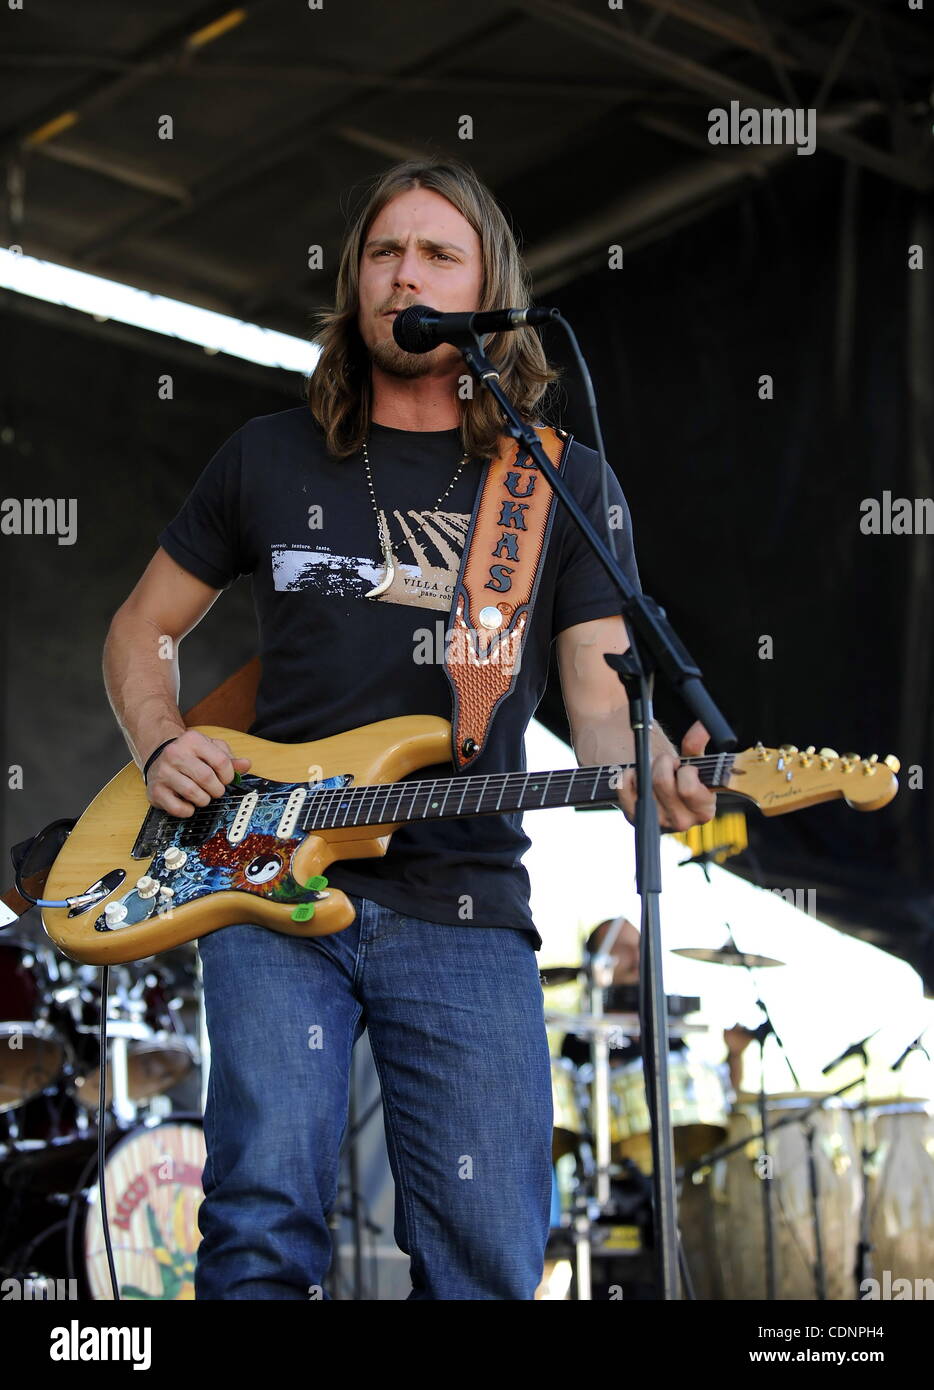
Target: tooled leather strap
497, 586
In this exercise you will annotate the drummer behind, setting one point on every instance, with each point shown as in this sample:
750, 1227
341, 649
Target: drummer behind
622, 994
622, 997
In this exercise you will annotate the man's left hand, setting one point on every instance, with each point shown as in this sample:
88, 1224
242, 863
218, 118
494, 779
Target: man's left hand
682, 798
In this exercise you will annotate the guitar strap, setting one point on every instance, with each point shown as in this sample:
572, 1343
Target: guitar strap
497, 587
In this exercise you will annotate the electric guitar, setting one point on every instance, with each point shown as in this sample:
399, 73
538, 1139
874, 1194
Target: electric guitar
141, 881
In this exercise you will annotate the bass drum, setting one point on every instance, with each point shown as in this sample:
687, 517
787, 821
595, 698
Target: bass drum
32, 1052
698, 1102
152, 1177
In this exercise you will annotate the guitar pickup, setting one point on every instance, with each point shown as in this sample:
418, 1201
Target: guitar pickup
290, 815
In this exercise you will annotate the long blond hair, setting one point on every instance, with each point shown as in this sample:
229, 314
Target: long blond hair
339, 390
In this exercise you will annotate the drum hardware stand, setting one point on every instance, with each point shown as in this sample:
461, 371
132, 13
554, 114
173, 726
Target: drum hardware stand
583, 1235
820, 1272
863, 1266
589, 1208
125, 1024
654, 646
768, 1210
600, 977
356, 1209
765, 1030
204, 1042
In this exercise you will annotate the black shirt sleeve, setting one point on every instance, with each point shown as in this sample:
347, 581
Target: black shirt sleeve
584, 590
206, 536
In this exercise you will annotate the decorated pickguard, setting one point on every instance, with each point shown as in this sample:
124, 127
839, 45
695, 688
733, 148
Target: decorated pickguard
260, 863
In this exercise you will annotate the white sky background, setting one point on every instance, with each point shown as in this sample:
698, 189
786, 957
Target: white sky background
832, 991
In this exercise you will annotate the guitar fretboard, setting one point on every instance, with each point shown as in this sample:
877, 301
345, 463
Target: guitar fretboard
390, 803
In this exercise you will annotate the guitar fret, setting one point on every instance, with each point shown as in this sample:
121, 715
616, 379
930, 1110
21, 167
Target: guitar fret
333, 808
499, 799
482, 791
545, 788
428, 797
596, 784
366, 816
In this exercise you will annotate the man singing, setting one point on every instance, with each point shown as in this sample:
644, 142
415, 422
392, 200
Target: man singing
350, 513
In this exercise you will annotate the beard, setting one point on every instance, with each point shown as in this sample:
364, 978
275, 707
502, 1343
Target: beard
395, 361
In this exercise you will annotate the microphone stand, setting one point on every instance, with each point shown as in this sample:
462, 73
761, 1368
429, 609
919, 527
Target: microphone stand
654, 646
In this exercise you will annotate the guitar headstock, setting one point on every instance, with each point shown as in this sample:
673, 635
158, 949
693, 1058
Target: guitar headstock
786, 778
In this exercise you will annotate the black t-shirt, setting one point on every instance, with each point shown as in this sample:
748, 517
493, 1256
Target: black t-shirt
274, 504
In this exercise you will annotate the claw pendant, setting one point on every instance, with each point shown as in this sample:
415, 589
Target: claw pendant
390, 574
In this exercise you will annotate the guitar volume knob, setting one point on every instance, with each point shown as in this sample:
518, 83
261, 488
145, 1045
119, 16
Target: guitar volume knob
147, 887
174, 858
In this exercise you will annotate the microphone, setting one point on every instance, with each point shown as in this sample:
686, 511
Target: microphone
854, 1050
912, 1047
419, 328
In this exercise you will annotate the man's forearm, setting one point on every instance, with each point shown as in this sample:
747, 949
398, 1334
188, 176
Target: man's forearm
608, 740
142, 682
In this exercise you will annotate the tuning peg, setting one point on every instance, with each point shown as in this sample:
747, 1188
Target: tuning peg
807, 756
787, 749
829, 754
891, 762
762, 753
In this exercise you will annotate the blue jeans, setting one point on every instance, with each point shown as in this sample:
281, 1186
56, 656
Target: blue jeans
456, 1026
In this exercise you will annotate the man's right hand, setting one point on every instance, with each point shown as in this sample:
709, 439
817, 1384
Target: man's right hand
190, 771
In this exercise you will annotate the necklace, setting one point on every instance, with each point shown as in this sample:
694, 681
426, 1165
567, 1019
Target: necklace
384, 542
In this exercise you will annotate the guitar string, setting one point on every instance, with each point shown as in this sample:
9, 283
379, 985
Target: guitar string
325, 797
708, 758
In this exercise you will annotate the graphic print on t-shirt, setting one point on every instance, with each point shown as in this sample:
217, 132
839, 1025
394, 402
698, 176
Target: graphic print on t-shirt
428, 561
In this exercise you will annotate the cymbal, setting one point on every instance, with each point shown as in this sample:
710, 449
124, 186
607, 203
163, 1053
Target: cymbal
725, 955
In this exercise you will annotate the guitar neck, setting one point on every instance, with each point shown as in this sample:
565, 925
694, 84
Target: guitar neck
393, 803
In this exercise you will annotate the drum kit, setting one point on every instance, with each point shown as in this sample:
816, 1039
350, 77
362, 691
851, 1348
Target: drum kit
795, 1195
51, 1235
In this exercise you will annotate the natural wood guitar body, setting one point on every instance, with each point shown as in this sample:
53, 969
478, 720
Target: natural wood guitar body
102, 842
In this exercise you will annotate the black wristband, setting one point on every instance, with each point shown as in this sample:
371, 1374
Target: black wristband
155, 753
